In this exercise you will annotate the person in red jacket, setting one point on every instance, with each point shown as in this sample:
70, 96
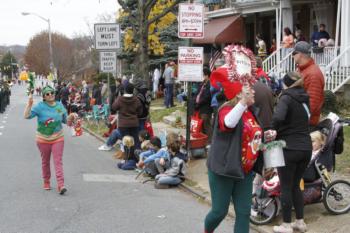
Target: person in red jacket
312, 77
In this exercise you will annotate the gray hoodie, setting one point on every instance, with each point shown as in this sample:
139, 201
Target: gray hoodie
177, 167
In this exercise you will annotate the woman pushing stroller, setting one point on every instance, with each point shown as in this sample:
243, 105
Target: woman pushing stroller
291, 121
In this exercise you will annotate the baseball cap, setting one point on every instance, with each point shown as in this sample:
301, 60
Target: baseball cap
302, 47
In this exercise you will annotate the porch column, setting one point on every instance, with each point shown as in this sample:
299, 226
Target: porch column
345, 29
287, 14
345, 22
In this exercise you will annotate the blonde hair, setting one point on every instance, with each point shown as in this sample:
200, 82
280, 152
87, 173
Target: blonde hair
128, 141
318, 137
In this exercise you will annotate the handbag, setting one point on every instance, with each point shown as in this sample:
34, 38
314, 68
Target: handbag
196, 123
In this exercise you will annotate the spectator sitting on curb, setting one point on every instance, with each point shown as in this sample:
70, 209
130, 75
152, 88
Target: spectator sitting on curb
149, 162
129, 162
171, 172
154, 148
144, 139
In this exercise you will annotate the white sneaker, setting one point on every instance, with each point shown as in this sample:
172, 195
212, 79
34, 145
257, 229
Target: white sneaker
283, 228
299, 225
104, 147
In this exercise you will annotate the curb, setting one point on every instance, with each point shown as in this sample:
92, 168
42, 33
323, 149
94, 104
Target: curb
100, 138
185, 187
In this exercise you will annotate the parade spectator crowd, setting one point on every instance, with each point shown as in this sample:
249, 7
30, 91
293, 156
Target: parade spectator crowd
289, 106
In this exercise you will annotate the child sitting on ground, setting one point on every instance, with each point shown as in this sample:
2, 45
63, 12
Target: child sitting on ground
162, 153
155, 145
144, 138
129, 162
172, 171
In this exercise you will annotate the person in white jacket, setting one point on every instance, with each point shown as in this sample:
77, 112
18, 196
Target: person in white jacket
156, 77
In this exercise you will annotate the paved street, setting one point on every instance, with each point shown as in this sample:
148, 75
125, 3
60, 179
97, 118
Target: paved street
100, 198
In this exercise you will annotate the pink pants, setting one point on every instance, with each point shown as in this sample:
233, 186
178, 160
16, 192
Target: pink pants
57, 150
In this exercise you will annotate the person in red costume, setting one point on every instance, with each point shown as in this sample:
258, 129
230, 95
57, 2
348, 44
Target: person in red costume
234, 151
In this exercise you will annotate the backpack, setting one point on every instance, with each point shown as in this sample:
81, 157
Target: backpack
145, 97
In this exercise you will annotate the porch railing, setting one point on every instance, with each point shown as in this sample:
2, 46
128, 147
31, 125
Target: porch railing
337, 72
271, 61
283, 66
326, 56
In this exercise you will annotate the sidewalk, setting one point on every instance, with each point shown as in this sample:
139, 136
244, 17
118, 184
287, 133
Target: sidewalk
319, 220
316, 216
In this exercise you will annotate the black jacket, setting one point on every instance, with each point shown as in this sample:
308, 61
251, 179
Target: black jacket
291, 120
204, 105
225, 155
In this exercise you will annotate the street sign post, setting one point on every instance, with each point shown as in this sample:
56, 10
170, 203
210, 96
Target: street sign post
191, 20
108, 62
107, 36
191, 25
190, 63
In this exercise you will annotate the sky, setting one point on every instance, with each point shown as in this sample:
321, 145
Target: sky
69, 17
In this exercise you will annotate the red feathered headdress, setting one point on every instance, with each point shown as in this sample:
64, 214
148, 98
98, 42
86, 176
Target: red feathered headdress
219, 79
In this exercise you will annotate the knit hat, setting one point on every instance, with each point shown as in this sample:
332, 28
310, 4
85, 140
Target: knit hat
302, 47
129, 88
47, 89
219, 79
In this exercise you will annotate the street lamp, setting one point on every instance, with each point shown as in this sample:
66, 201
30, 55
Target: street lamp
50, 42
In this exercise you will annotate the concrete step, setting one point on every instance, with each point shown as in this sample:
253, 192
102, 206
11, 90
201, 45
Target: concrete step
174, 118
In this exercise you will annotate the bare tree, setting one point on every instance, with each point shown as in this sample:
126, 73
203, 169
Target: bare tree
37, 54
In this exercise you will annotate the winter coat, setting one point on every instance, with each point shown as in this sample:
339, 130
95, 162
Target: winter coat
225, 156
264, 102
129, 109
314, 86
204, 105
177, 168
291, 119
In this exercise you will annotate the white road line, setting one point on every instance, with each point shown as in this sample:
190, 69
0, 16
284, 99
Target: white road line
3, 121
109, 178
1, 127
0, 133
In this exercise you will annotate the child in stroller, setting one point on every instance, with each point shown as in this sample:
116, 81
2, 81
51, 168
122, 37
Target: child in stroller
328, 141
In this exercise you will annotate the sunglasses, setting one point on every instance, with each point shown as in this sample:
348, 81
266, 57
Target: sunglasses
49, 93
294, 53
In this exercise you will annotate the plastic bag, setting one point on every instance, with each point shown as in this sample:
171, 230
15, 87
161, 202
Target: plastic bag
196, 123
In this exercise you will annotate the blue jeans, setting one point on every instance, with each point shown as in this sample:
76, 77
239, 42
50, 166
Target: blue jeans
169, 102
181, 97
142, 124
127, 165
146, 154
113, 138
168, 180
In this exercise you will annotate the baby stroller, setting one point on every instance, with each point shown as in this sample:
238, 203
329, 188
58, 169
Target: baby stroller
318, 186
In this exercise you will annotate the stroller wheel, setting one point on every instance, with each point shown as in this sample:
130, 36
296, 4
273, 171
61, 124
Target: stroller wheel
336, 197
263, 210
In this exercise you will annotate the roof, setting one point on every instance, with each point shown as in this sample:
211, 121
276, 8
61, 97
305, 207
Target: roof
222, 30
